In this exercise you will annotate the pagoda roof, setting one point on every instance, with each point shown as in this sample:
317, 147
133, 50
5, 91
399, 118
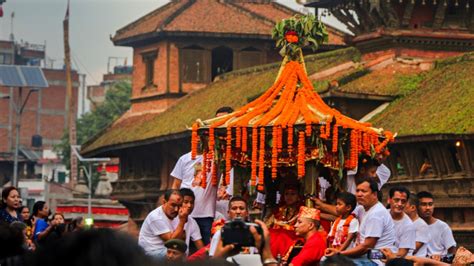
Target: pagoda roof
440, 104
241, 19
232, 89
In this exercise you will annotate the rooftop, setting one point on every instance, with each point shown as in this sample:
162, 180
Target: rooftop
249, 19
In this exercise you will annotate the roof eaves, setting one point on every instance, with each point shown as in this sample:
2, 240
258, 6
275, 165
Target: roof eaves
432, 137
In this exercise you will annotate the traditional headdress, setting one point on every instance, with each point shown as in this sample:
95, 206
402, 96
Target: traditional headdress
311, 213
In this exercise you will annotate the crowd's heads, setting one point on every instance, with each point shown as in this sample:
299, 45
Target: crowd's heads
426, 204
367, 192
307, 221
224, 110
412, 205
176, 250
10, 198
337, 260
188, 198
173, 201
238, 208
58, 218
367, 167
345, 203
76, 224
398, 197
91, 247
41, 209
11, 240
25, 213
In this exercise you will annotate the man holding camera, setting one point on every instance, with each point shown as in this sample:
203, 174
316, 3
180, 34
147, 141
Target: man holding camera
237, 209
307, 226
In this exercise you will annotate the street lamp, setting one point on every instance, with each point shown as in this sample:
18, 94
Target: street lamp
15, 76
19, 111
88, 173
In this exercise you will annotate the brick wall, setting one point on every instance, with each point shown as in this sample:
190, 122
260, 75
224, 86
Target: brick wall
44, 113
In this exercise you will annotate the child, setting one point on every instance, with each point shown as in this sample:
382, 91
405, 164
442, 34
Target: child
344, 229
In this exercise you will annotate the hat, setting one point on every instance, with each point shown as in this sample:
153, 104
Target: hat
311, 213
176, 244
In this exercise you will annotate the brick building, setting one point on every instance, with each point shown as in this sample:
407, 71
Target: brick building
185, 44
96, 93
42, 122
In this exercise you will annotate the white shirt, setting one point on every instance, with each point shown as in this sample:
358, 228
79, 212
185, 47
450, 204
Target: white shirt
383, 173
205, 202
155, 224
353, 228
405, 233
422, 235
376, 222
191, 229
441, 238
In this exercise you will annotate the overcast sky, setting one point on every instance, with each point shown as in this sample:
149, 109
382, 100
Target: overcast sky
91, 24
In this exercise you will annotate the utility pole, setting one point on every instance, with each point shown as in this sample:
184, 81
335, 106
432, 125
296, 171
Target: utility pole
70, 105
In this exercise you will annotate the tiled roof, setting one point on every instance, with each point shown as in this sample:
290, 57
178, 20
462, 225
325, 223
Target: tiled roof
234, 89
441, 104
225, 17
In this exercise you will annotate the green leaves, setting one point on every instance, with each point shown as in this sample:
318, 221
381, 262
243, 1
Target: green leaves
310, 31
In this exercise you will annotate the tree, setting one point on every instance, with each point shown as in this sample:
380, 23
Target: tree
117, 101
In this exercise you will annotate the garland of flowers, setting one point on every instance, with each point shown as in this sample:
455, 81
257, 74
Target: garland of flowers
228, 156
253, 175
194, 140
261, 161
345, 228
301, 154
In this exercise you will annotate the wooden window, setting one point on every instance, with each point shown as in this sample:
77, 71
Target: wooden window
250, 57
149, 59
193, 64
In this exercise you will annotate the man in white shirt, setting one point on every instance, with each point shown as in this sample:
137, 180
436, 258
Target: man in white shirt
191, 228
376, 229
158, 225
404, 228
422, 234
442, 240
184, 173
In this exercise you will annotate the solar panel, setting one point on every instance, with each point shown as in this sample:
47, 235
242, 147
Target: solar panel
22, 76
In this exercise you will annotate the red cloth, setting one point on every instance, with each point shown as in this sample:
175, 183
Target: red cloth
282, 240
201, 254
326, 225
312, 251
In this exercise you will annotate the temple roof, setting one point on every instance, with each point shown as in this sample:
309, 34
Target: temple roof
233, 89
249, 19
441, 103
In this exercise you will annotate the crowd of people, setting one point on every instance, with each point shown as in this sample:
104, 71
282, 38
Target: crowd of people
191, 225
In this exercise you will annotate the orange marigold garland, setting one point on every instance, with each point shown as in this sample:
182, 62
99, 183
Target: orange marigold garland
194, 140
335, 138
290, 140
253, 176
274, 152
261, 161
228, 156
301, 154
238, 136
244, 139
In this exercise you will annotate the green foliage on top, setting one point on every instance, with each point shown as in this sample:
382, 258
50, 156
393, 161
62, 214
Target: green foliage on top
438, 102
117, 101
233, 90
307, 30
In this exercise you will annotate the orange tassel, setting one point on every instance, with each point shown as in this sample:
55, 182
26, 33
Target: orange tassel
301, 154
194, 140
274, 152
253, 176
334, 139
261, 163
228, 156
244, 139
290, 140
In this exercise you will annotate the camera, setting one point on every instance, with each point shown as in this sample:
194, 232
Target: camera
375, 254
237, 232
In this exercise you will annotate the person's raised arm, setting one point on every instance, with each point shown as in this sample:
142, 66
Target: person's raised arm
179, 231
327, 208
176, 183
